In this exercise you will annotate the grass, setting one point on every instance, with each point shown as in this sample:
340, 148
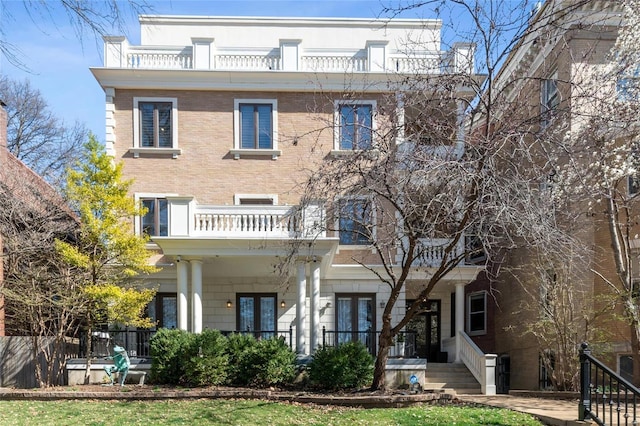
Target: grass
244, 412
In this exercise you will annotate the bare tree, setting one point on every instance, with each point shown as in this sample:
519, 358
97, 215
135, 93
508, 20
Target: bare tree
423, 193
96, 18
35, 135
39, 295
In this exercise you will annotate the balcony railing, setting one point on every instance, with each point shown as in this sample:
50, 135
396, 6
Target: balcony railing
406, 348
605, 397
120, 54
242, 221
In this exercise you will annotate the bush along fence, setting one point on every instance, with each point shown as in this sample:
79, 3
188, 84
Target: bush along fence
210, 358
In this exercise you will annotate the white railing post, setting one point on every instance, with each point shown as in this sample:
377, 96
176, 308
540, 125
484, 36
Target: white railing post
488, 383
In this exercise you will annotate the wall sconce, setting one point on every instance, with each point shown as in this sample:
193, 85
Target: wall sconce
282, 304
229, 303
382, 305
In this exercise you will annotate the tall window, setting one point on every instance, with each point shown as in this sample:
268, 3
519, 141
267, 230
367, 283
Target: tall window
355, 122
155, 124
477, 314
256, 127
550, 100
355, 223
256, 313
155, 222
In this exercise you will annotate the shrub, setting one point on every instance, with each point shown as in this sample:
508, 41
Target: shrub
239, 346
262, 363
207, 360
343, 367
169, 350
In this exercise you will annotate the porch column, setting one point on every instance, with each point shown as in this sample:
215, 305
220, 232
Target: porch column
459, 318
301, 310
183, 276
196, 293
315, 306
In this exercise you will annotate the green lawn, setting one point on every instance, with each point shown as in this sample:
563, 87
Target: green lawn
243, 412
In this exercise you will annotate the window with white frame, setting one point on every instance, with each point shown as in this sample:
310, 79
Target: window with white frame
155, 222
155, 125
255, 127
355, 221
354, 125
477, 313
550, 99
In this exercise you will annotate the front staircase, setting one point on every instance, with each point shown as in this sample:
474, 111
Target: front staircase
450, 376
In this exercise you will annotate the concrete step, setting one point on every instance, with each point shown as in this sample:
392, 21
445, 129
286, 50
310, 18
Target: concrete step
454, 377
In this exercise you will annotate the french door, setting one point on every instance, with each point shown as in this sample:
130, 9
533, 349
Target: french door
256, 314
355, 319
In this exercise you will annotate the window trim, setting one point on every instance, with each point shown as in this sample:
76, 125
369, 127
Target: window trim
373, 223
136, 150
337, 150
256, 297
468, 319
237, 150
138, 197
238, 197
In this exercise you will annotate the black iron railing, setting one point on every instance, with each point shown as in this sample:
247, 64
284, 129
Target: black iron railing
405, 344
137, 342
605, 397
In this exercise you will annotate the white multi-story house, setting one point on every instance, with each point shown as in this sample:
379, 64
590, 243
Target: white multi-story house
217, 119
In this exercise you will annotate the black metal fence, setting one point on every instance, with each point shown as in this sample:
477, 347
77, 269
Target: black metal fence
405, 344
137, 342
605, 397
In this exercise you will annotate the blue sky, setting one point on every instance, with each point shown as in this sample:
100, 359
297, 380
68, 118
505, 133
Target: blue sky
58, 62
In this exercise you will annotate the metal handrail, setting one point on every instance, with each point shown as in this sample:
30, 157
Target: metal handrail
605, 397
369, 338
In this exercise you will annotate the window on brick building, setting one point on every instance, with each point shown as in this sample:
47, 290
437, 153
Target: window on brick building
355, 221
155, 126
354, 125
255, 127
155, 222
477, 313
550, 100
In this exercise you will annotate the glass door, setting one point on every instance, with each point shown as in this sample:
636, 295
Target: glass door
355, 319
256, 314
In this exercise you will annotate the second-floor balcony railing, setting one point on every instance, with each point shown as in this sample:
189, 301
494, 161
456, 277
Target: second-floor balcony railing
187, 218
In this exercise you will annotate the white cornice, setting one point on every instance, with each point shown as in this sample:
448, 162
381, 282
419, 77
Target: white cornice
302, 22
264, 81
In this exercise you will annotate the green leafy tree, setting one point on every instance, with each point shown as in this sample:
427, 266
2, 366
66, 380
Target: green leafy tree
107, 254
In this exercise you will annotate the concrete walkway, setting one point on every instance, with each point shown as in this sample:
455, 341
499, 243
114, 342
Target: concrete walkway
556, 412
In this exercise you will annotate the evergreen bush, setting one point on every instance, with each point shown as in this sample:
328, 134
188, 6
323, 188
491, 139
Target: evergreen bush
347, 366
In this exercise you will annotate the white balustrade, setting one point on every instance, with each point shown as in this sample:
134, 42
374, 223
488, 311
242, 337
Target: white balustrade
434, 251
334, 63
247, 62
249, 222
481, 365
413, 65
160, 58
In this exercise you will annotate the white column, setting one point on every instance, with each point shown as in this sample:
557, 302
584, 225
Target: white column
183, 276
315, 306
400, 118
301, 310
196, 296
459, 317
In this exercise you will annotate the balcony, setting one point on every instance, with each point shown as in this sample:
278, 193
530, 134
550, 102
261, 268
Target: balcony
286, 57
189, 219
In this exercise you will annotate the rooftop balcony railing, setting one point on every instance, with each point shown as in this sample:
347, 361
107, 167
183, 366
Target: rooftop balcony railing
287, 57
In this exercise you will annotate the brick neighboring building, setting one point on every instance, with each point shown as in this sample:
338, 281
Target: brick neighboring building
32, 195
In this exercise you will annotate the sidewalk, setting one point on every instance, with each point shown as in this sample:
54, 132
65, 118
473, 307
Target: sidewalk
556, 412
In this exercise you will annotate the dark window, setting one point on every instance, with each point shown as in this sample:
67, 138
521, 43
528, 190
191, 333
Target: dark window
477, 313
163, 310
155, 222
355, 222
155, 124
256, 313
256, 126
626, 367
550, 100
355, 126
